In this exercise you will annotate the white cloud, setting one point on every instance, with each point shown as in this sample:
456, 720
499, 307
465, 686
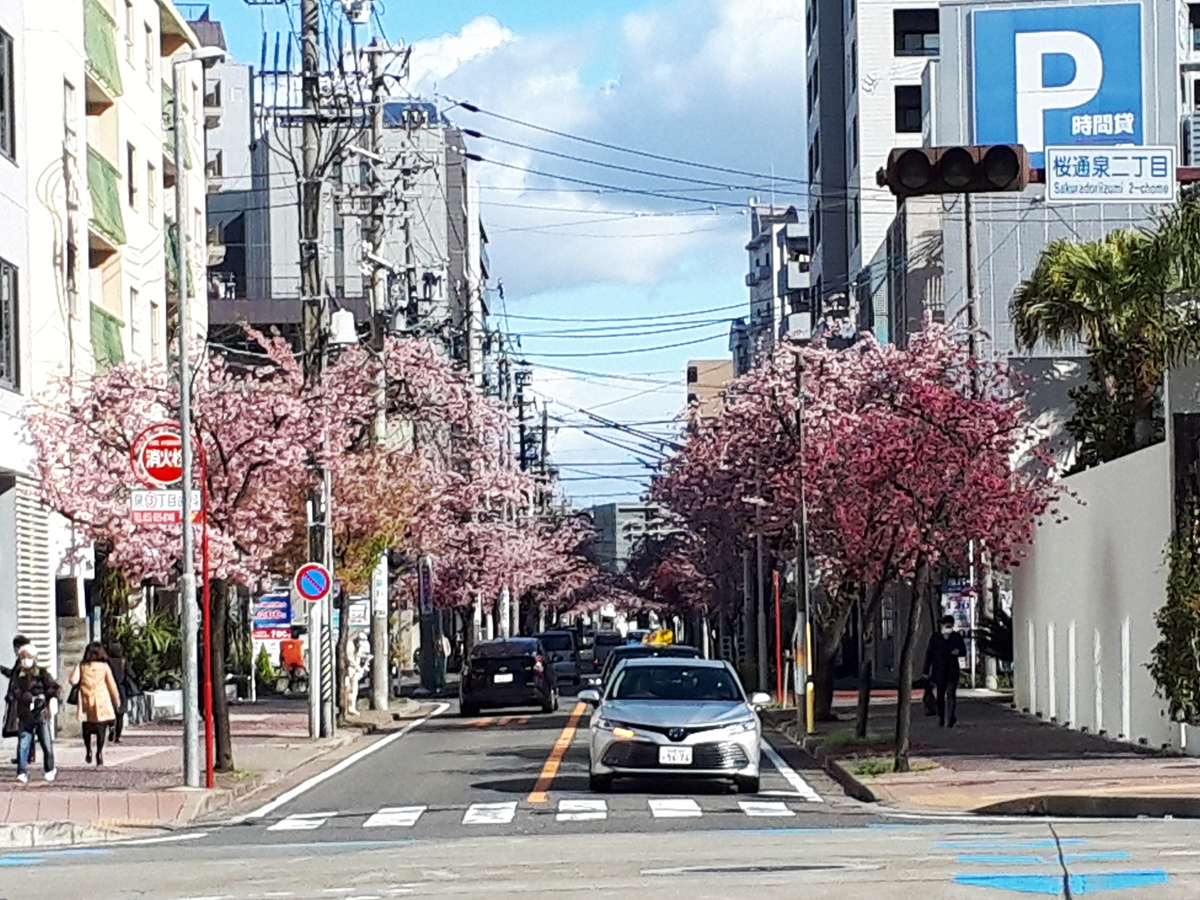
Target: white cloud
434, 59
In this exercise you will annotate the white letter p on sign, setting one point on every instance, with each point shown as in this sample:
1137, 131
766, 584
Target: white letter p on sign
1034, 98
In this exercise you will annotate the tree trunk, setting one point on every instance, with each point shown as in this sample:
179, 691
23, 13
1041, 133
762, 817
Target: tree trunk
866, 670
217, 616
829, 640
904, 691
1143, 420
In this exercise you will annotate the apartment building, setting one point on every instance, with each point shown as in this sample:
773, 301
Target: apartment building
866, 61
779, 283
86, 115
706, 382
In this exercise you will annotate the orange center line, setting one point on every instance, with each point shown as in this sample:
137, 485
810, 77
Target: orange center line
554, 760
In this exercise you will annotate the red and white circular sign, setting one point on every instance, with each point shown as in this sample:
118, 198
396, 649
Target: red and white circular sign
157, 456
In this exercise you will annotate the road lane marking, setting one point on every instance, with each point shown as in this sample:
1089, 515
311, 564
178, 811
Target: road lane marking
765, 808
289, 796
302, 822
554, 760
581, 810
395, 817
676, 808
789, 775
490, 813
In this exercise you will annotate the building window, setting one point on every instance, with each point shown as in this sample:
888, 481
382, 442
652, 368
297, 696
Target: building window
814, 85
814, 155
916, 32
815, 228
134, 318
1194, 22
852, 222
810, 22
130, 30
131, 175
8, 98
853, 85
9, 347
156, 330
152, 193
693, 374
852, 145
908, 108
150, 53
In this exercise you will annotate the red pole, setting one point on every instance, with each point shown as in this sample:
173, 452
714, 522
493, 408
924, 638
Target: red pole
208, 685
778, 645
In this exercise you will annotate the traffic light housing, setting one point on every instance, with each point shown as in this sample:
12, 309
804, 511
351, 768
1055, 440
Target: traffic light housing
916, 171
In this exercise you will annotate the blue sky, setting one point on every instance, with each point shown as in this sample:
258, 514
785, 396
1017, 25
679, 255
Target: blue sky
714, 81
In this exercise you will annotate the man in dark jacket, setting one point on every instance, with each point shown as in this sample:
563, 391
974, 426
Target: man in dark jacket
946, 649
30, 692
18, 642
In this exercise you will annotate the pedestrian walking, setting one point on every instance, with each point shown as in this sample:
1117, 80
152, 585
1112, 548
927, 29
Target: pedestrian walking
29, 712
98, 698
127, 687
8, 672
946, 649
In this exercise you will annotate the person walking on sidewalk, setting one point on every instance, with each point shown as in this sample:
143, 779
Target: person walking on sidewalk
99, 698
30, 695
127, 687
942, 657
18, 642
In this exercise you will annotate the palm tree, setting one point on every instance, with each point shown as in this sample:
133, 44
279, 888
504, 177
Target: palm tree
1128, 298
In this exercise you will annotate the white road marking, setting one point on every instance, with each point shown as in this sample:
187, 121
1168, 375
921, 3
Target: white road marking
765, 808
289, 796
490, 813
581, 810
395, 817
168, 839
789, 775
679, 808
302, 822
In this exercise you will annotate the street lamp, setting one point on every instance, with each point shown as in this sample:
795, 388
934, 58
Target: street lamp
207, 56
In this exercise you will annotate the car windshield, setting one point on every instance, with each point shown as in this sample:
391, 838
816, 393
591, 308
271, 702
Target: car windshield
556, 642
707, 683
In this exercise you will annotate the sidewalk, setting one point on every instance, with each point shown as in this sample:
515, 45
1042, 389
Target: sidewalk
138, 791
997, 760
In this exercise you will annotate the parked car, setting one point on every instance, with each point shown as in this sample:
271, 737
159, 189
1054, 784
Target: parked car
507, 672
619, 655
675, 717
606, 643
562, 651
637, 636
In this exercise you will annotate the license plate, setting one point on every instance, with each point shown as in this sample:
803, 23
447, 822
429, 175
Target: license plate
502, 678
674, 756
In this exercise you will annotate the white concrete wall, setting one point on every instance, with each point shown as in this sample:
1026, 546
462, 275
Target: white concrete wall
1084, 603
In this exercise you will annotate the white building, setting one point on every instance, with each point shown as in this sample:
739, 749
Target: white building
866, 59
91, 82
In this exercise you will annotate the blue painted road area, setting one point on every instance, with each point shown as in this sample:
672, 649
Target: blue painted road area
1053, 876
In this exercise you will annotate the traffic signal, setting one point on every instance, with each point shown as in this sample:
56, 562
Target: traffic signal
915, 171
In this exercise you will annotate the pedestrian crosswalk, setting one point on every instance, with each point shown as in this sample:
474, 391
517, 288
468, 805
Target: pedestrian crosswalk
567, 809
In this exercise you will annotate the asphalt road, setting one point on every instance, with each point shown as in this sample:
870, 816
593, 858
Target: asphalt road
466, 808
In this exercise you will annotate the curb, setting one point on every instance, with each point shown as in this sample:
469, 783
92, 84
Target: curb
850, 784
1076, 806
55, 834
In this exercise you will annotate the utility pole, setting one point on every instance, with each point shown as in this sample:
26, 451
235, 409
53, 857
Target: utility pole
380, 669
311, 309
804, 706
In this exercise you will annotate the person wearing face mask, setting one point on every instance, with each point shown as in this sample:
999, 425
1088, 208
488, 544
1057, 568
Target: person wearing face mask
31, 691
8, 672
946, 649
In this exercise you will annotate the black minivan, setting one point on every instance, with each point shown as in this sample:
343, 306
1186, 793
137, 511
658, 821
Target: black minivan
507, 672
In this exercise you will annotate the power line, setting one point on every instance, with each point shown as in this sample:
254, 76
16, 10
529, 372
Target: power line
695, 312
700, 340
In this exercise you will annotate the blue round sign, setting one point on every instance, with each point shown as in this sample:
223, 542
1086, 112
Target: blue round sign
313, 582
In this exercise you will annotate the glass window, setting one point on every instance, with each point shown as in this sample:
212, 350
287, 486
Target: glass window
915, 32
853, 85
130, 31
677, 683
150, 54
9, 347
908, 108
151, 192
131, 175
8, 98
1194, 21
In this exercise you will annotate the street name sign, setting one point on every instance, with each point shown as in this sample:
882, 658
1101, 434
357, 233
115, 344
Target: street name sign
1111, 175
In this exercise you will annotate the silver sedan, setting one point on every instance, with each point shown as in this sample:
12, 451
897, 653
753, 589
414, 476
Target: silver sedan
664, 716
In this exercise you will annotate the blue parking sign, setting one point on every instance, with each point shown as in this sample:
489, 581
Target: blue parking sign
1058, 75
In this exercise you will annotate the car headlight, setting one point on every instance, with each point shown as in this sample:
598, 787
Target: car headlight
743, 726
616, 728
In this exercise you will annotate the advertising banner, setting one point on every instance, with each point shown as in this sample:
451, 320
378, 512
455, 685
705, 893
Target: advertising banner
272, 617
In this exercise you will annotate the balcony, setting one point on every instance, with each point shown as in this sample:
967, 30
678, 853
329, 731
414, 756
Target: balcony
106, 228
1191, 131
758, 275
213, 109
107, 346
102, 66
794, 277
